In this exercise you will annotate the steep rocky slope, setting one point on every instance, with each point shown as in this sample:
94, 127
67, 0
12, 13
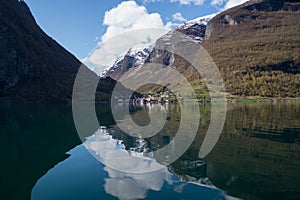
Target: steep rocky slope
135, 57
176, 39
34, 67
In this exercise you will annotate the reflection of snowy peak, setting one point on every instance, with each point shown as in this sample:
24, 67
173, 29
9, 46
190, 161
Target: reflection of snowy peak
110, 151
135, 57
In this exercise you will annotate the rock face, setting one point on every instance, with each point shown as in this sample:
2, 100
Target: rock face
33, 67
135, 57
195, 30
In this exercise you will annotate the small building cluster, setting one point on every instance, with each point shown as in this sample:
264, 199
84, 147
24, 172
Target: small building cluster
152, 98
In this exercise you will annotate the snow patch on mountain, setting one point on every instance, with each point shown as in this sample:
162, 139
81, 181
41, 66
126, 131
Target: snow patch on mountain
135, 57
140, 54
200, 20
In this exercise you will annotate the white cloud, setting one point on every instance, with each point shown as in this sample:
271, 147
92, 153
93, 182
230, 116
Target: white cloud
151, 1
232, 3
217, 2
127, 16
128, 25
178, 17
188, 2
228, 3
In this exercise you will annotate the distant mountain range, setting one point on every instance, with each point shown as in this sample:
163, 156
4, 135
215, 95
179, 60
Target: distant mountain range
137, 56
255, 46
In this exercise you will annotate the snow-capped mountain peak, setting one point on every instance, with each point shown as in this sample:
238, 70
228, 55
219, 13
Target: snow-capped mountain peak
140, 54
200, 20
135, 57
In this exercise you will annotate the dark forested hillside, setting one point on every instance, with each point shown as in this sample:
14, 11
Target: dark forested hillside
34, 67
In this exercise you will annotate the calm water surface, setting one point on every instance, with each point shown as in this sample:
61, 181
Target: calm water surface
256, 157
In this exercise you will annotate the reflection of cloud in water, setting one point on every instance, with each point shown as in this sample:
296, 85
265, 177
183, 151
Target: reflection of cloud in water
80, 176
120, 183
112, 153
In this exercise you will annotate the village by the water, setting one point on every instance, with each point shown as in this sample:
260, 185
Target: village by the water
162, 98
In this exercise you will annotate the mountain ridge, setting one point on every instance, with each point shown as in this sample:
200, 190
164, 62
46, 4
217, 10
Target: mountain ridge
255, 46
194, 28
34, 67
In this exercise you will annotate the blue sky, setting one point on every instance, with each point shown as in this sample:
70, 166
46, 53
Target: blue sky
78, 25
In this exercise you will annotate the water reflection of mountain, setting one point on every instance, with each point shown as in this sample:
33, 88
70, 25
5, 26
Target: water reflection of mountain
278, 122
158, 182
33, 139
250, 167
289, 135
257, 155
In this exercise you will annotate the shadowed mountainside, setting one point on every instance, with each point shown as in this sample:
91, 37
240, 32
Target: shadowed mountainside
34, 67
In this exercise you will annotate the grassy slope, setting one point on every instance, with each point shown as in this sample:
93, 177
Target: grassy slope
260, 55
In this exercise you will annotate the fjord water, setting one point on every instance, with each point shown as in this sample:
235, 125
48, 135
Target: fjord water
256, 157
